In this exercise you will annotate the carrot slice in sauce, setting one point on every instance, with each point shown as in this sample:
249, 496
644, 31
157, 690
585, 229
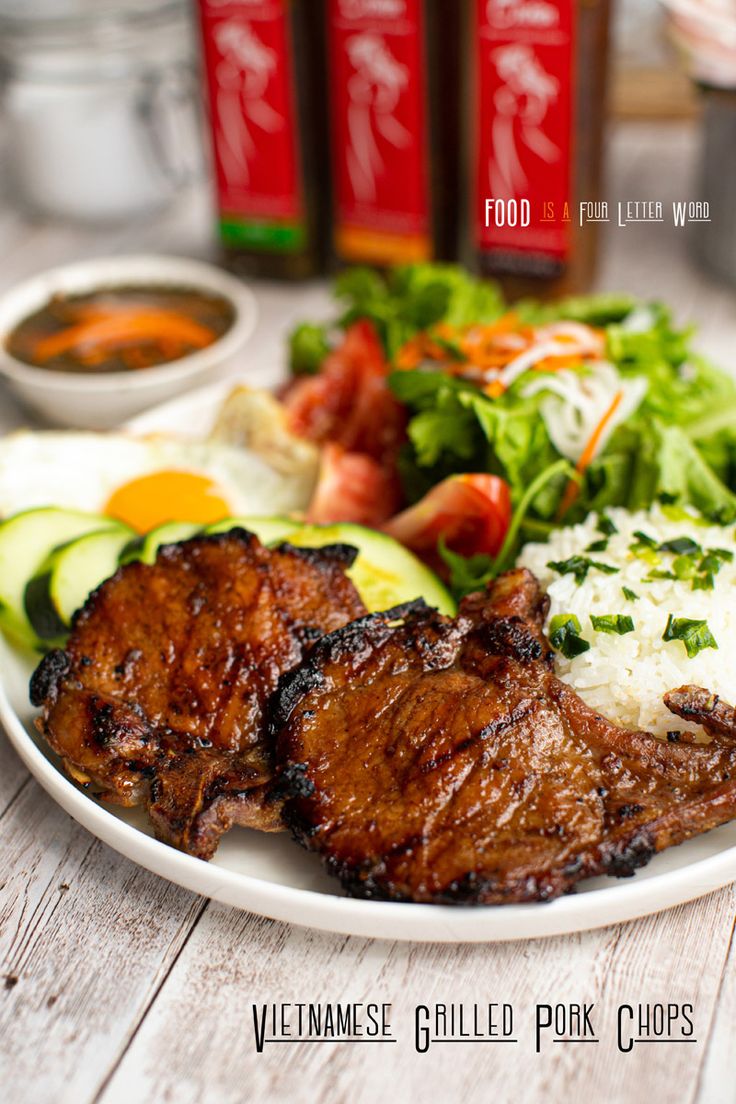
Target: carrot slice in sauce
119, 328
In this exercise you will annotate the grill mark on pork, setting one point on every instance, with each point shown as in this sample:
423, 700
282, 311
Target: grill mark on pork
160, 696
437, 760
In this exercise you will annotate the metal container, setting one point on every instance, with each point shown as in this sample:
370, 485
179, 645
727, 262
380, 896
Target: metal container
714, 239
704, 32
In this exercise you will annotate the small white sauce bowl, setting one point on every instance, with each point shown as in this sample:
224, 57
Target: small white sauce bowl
99, 400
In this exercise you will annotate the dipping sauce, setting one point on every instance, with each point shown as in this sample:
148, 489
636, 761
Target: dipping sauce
119, 329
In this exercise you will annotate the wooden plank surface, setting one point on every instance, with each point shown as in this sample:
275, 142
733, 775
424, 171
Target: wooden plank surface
86, 938
250, 960
118, 987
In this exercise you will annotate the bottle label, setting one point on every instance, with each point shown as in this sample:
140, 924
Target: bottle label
249, 60
378, 83
524, 52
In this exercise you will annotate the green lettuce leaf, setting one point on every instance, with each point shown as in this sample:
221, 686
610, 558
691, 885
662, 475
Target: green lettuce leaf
595, 310
679, 447
670, 468
308, 347
411, 298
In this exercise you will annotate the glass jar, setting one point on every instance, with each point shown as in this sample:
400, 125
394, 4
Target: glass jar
101, 105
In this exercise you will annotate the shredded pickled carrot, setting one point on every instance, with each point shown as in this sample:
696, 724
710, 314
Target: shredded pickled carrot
494, 389
415, 351
588, 455
490, 359
486, 350
556, 363
475, 342
481, 344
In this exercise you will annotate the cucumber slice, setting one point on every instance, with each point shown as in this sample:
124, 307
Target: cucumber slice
69, 576
385, 573
267, 529
146, 547
81, 566
26, 540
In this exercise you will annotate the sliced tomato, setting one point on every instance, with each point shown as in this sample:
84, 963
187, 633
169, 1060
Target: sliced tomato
471, 513
349, 402
353, 487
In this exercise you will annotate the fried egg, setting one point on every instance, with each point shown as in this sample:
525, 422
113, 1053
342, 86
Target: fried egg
143, 481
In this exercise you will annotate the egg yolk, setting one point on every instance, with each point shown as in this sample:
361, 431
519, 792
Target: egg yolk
163, 496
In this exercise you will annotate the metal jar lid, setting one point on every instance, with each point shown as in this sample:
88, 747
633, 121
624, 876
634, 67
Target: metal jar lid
66, 40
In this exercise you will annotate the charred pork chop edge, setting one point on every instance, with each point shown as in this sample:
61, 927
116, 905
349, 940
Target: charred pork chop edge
620, 859
48, 677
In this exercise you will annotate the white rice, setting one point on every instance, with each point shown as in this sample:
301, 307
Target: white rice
624, 677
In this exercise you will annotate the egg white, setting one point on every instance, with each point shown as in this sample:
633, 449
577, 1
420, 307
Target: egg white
81, 471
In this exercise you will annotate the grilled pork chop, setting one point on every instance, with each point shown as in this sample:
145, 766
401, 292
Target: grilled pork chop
159, 697
437, 760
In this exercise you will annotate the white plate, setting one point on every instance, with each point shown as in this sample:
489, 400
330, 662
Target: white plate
271, 876
192, 414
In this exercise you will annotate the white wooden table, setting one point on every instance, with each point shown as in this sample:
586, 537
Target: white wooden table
123, 989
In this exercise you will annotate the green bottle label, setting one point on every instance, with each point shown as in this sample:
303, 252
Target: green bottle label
274, 237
